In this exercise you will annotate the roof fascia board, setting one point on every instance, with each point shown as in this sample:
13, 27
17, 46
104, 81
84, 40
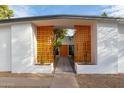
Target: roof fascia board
13, 20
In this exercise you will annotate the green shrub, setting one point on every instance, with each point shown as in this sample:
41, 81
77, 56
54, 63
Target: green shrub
41, 62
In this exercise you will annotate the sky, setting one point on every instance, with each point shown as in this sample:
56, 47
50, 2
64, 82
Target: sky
93, 10
39, 10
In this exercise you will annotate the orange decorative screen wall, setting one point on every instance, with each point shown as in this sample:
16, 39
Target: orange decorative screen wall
82, 44
44, 44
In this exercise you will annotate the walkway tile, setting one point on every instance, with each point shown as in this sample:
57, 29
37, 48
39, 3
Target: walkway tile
64, 76
64, 80
63, 65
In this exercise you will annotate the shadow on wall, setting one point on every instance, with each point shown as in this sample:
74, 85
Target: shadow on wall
107, 50
23, 51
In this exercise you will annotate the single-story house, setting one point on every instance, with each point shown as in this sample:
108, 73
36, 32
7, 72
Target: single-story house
98, 44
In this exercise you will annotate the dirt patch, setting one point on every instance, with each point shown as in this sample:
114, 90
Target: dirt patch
101, 80
25, 80
25, 75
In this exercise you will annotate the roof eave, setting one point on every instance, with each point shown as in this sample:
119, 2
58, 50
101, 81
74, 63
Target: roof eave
51, 17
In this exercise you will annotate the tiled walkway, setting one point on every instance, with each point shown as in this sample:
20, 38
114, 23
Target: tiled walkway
63, 65
64, 76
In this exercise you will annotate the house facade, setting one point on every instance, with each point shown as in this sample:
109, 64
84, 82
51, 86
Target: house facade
26, 44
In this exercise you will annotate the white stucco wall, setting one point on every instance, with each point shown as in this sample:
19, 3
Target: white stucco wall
121, 48
18, 49
23, 59
107, 51
5, 55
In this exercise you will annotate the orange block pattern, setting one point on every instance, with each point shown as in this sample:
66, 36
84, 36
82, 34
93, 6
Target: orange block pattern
44, 44
82, 44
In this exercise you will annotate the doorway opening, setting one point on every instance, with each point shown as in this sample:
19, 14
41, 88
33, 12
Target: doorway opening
76, 46
65, 53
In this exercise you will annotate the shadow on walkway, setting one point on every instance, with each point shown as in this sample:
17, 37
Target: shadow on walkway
63, 65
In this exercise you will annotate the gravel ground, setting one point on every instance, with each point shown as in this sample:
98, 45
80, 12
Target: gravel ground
9, 80
100, 80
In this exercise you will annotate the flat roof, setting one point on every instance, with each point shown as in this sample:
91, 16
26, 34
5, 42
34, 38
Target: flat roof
50, 17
